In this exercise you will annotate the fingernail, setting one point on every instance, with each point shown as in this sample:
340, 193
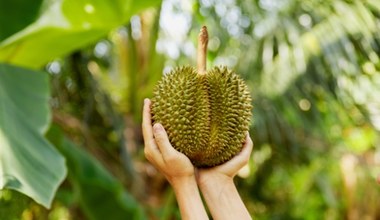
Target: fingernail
157, 127
146, 100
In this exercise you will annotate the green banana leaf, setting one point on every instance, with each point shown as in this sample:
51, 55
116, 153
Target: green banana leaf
65, 26
28, 162
10, 19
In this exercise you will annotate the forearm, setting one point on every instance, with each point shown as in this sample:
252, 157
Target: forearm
189, 199
223, 201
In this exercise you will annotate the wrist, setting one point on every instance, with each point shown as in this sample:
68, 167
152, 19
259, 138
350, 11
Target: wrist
178, 183
188, 198
213, 181
223, 199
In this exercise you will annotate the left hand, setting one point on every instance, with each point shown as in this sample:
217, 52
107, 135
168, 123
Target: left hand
175, 166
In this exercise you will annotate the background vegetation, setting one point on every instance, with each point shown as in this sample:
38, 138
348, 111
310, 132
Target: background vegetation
73, 75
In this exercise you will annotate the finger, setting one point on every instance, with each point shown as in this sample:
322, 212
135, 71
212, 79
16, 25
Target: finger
147, 122
157, 162
153, 154
247, 147
151, 151
162, 141
245, 153
243, 156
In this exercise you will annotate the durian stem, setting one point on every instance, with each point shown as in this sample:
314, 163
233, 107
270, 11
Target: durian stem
202, 50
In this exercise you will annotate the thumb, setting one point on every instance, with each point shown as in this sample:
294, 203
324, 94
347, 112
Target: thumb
162, 139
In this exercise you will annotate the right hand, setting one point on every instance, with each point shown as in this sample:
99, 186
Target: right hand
227, 170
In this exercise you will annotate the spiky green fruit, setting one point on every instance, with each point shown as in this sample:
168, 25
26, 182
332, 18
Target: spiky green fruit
206, 116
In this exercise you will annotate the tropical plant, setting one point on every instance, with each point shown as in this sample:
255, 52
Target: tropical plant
313, 68
29, 163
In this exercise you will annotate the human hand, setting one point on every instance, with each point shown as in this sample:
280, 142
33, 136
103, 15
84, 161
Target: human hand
228, 170
219, 190
175, 166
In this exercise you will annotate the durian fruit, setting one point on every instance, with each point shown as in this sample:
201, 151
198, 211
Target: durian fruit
205, 115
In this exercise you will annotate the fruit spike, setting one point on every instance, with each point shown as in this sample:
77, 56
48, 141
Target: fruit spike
205, 113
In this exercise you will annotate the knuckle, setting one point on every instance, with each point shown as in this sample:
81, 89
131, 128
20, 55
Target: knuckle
146, 151
148, 154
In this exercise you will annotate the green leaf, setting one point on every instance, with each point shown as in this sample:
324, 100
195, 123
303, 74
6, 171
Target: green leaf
28, 162
65, 26
101, 195
10, 19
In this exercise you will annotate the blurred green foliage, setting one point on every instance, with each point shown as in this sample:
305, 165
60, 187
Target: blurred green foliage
313, 68
30, 165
